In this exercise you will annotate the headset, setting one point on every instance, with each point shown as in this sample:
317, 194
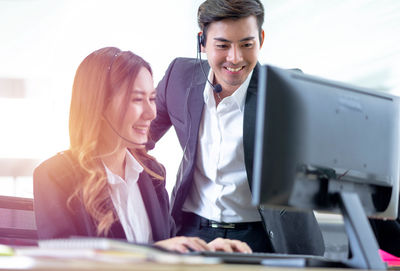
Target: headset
201, 42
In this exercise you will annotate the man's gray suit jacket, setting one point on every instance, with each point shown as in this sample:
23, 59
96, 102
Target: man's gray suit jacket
180, 104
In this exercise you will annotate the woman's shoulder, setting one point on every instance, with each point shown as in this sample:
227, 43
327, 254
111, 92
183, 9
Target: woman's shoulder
58, 167
57, 163
155, 166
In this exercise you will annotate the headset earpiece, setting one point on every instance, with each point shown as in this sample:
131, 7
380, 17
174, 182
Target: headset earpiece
200, 42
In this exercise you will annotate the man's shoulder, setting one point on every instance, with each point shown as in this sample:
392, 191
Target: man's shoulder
183, 63
187, 60
182, 70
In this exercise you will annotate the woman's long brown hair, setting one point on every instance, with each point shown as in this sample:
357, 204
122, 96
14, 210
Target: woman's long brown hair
98, 78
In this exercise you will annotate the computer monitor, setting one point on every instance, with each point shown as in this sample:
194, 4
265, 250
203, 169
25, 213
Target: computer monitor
327, 146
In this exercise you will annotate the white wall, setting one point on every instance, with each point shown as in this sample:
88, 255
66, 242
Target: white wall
43, 41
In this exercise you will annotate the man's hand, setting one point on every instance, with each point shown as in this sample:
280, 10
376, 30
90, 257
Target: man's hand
184, 244
228, 245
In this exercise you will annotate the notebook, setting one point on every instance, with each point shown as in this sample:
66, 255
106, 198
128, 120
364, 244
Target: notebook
103, 246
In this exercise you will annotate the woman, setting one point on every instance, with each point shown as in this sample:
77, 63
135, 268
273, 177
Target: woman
106, 184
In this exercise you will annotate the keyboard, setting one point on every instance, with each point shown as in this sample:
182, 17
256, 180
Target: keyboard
271, 259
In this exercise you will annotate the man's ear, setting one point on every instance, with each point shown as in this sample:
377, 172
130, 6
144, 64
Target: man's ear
262, 38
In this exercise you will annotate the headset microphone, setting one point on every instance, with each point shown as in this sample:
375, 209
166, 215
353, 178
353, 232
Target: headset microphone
217, 88
200, 41
124, 138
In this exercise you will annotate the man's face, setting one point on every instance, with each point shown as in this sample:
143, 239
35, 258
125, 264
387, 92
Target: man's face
232, 49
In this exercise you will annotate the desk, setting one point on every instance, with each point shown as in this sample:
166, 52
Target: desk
14, 263
27, 263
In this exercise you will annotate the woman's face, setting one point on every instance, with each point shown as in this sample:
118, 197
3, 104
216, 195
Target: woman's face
140, 112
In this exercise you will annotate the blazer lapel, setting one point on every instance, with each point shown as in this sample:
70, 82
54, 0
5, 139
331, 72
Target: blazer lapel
195, 105
117, 231
249, 120
159, 226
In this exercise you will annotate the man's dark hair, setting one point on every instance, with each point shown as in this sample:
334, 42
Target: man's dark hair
217, 10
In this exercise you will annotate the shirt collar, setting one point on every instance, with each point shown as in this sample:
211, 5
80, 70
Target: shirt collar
238, 96
132, 170
132, 166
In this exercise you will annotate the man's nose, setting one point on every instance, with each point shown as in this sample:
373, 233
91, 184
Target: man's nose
235, 54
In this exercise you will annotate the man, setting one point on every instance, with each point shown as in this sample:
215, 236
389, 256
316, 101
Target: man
215, 128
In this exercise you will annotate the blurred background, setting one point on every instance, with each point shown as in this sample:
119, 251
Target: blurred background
42, 43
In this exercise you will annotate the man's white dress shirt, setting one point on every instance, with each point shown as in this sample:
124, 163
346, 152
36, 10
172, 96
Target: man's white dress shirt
220, 189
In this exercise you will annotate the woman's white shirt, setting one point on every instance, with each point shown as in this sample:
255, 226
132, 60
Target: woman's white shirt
128, 202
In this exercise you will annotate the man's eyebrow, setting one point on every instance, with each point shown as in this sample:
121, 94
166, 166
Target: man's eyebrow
244, 39
247, 39
222, 39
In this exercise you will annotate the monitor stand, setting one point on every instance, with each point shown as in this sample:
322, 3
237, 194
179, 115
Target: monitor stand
363, 245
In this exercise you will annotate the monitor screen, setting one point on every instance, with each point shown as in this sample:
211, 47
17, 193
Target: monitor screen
314, 134
328, 146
